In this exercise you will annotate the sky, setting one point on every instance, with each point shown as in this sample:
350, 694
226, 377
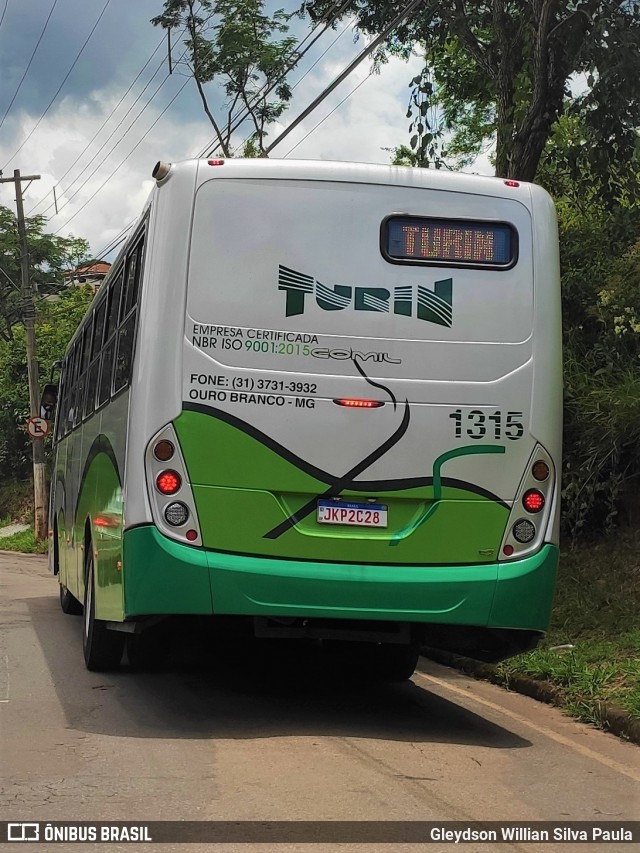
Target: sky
96, 108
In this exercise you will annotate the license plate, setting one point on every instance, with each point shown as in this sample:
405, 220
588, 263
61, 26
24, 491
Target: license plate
358, 515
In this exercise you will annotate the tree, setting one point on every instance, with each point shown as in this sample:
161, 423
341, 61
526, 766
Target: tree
503, 70
235, 42
50, 257
56, 321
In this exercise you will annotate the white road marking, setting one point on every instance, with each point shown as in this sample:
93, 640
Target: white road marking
584, 750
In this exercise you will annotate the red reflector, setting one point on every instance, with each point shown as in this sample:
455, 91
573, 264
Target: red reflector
191, 535
533, 500
507, 550
215, 162
168, 482
359, 404
512, 183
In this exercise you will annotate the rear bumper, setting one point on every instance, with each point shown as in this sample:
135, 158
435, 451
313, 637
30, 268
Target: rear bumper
166, 577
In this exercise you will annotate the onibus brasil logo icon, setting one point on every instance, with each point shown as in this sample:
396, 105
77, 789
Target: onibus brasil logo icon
434, 306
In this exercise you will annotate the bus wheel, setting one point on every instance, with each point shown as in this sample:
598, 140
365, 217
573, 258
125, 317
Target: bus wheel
395, 662
102, 648
69, 603
150, 649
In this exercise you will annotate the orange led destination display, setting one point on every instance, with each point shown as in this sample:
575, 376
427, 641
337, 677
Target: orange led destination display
412, 239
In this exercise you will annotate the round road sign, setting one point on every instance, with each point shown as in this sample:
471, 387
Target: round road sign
37, 427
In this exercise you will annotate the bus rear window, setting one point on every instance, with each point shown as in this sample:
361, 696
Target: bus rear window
453, 242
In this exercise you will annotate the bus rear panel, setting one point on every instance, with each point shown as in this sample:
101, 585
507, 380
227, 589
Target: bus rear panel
366, 406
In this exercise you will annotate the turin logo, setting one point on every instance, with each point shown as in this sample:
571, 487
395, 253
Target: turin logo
434, 306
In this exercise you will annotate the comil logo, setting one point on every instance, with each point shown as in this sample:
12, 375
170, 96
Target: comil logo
434, 306
23, 832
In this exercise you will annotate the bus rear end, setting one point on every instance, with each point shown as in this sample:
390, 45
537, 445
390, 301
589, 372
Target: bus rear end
369, 440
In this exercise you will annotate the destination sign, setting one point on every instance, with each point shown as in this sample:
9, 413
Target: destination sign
463, 242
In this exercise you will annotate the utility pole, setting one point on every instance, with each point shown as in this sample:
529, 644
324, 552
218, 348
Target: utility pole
28, 317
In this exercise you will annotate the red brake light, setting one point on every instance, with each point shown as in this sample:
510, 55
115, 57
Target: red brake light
512, 183
358, 404
192, 535
215, 162
533, 500
168, 482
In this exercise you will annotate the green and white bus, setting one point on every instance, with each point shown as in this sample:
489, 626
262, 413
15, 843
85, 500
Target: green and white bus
317, 400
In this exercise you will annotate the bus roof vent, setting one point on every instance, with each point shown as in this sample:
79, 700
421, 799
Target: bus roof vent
160, 170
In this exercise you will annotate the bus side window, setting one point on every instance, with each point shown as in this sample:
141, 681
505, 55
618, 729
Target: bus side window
90, 387
106, 374
134, 274
73, 387
98, 328
89, 397
62, 400
113, 305
124, 356
84, 368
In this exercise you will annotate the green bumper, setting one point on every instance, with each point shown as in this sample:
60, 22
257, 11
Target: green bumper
166, 577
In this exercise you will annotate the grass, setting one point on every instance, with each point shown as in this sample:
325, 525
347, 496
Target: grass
25, 542
596, 612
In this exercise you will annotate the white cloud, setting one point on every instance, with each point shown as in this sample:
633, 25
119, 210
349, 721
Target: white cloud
97, 206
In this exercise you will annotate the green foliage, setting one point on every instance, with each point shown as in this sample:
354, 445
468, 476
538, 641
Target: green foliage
56, 321
235, 43
49, 258
25, 542
502, 71
596, 612
600, 264
16, 500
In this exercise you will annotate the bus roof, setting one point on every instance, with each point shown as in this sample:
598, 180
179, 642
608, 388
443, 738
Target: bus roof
366, 173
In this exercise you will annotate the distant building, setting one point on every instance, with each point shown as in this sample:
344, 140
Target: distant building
92, 275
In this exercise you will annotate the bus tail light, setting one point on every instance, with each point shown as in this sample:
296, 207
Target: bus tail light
533, 500
540, 471
524, 536
163, 450
170, 494
176, 514
168, 482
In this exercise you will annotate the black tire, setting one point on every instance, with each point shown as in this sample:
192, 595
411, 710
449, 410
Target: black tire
396, 663
102, 648
374, 661
149, 650
69, 603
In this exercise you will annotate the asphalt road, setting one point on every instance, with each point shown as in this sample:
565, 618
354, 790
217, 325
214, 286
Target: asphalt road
267, 740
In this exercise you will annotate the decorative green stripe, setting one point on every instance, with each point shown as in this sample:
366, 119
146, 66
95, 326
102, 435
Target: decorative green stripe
469, 450
397, 485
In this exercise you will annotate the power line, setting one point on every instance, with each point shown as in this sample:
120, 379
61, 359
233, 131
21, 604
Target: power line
6, 3
75, 61
104, 144
315, 127
308, 71
113, 147
398, 19
120, 237
104, 123
122, 162
297, 54
35, 49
